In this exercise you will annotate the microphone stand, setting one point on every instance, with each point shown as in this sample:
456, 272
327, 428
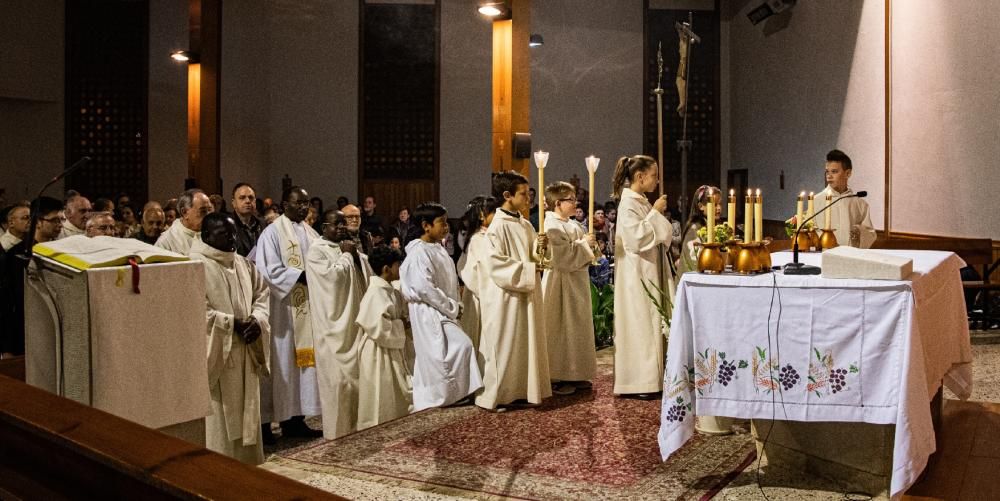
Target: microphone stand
797, 268
29, 239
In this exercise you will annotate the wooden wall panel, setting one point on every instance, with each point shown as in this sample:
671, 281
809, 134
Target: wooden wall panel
392, 195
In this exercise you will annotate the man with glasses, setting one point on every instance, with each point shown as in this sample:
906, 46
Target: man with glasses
192, 206
100, 224
18, 221
77, 208
49, 223
352, 214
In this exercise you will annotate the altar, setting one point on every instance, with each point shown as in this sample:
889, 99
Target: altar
772, 347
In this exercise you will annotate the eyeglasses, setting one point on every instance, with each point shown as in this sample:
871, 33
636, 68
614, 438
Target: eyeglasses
53, 220
561, 200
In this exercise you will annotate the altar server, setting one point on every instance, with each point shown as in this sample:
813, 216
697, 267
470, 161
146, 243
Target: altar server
472, 267
641, 240
291, 393
338, 274
385, 385
238, 341
445, 371
849, 219
192, 206
569, 317
516, 361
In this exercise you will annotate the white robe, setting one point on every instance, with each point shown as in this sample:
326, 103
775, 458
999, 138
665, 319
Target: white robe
852, 212
513, 340
69, 230
472, 269
291, 390
641, 241
234, 291
385, 386
569, 315
336, 287
8, 240
445, 369
178, 238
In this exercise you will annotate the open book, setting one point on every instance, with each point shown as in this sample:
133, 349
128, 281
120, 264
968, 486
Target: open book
83, 253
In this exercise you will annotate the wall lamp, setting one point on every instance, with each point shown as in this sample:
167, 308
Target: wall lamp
495, 10
535, 40
184, 56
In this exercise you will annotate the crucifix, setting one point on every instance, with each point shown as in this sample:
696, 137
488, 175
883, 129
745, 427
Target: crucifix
687, 37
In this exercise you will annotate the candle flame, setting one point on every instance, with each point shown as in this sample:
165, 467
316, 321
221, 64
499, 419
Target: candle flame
758, 192
802, 194
732, 192
811, 194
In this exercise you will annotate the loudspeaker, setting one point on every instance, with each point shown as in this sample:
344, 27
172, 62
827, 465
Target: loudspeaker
522, 145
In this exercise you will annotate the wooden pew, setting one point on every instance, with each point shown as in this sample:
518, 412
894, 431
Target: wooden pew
54, 448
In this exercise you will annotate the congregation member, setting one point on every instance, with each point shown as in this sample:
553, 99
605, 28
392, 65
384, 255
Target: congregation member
513, 338
338, 276
169, 212
100, 224
248, 225
153, 222
218, 203
18, 223
104, 205
126, 223
48, 224
850, 220
697, 219
354, 218
445, 371
385, 387
403, 227
472, 267
192, 206
641, 238
569, 318
77, 208
370, 220
291, 393
238, 341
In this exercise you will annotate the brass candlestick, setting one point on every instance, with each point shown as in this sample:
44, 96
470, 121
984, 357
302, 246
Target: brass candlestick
746, 259
764, 256
827, 240
542, 260
710, 259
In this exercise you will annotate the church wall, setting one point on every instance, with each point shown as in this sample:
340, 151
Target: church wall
946, 118
801, 91
168, 31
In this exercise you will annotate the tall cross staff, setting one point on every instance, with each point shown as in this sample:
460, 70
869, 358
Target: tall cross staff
658, 91
687, 37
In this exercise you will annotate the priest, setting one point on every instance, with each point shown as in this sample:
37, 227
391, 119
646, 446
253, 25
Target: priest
338, 275
238, 341
292, 392
849, 219
192, 206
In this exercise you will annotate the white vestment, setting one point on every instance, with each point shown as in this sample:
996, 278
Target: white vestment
234, 291
178, 238
291, 390
850, 213
69, 230
445, 369
385, 386
569, 316
641, 241
336, 286
8, 240
513, 339
472, 269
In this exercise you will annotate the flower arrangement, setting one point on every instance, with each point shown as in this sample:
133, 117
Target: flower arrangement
723, 233
791, 224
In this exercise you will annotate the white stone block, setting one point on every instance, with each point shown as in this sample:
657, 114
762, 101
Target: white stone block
865, 264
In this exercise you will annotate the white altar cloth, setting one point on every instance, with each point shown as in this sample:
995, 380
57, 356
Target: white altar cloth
808, 348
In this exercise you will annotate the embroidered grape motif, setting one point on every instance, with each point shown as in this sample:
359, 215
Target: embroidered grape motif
726, 371
788, 377
838, 379
676, 413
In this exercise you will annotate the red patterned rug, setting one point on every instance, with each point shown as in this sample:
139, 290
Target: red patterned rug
588, 445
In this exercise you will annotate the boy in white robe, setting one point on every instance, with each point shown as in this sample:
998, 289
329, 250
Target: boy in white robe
513, 341
385, 387
292, 391
338, 276
445, 370
472, 267
569, 317
192, 206
849, 219
238, 344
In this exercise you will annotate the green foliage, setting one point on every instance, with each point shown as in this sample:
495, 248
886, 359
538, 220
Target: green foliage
660, 299
602, 300
723, 233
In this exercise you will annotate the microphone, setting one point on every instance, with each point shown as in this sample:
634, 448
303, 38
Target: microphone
29, 239
797, 268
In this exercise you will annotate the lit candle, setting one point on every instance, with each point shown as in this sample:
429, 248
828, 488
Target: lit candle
758, 223
798, 210
710, 209
592, 162
731, 212
826, 224
809, 207
541, 158
748, 218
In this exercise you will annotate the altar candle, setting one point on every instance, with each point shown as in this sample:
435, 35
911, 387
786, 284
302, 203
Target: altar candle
731, 212
758, 213
541, 158
809, 207
826, 223
798, 210
592, 163
748, 217
710, 209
